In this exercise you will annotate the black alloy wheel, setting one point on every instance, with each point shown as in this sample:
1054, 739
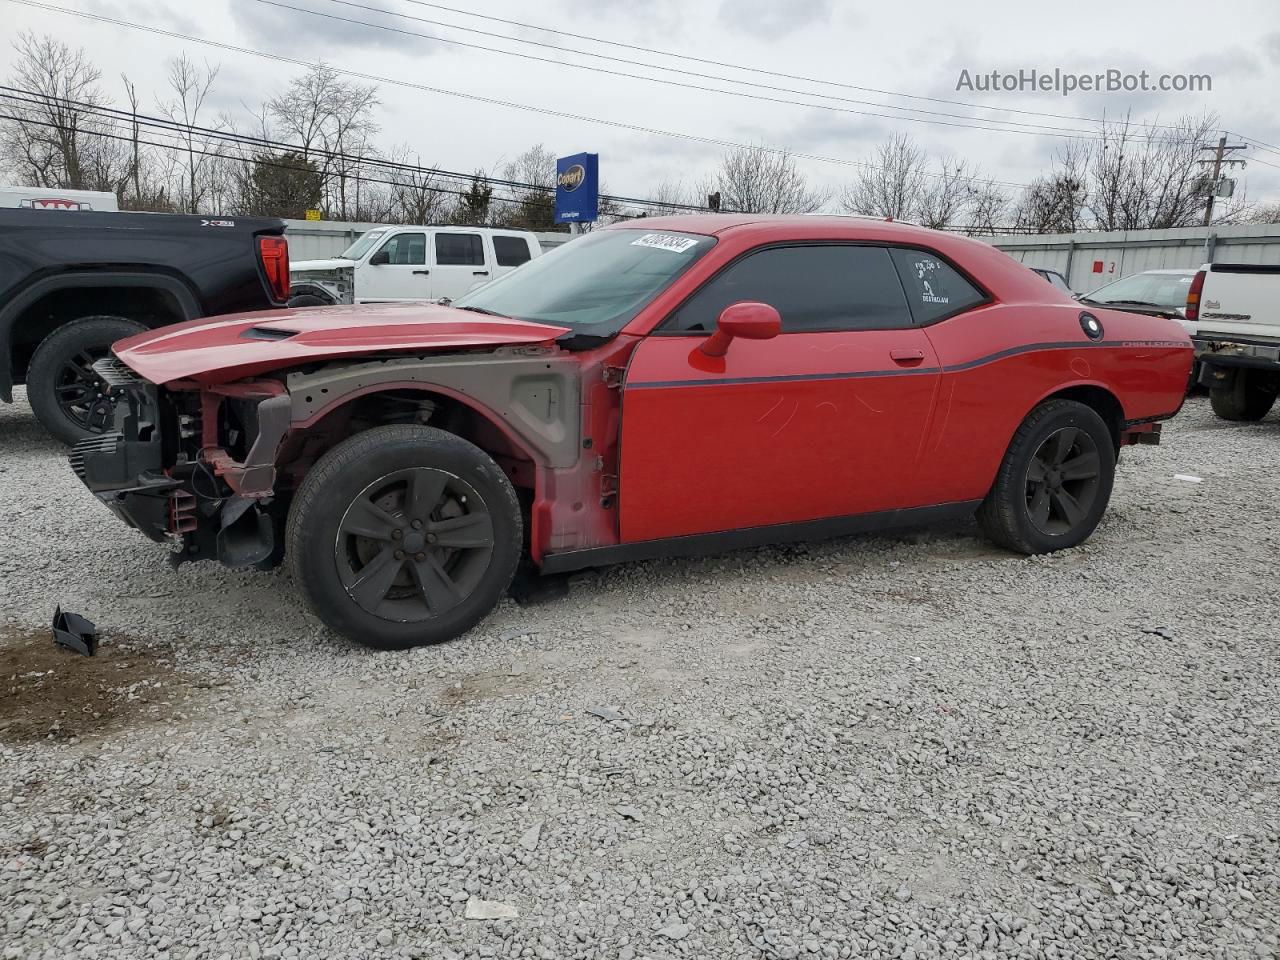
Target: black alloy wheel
82, 397
1063, 479
414, 544
66, 394
1054, 482
403, 535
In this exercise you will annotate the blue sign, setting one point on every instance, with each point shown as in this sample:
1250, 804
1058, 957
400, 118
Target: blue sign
578, 188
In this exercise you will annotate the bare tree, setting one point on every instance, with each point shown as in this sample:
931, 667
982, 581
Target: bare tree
201, 145
331, 120
1267, 213
54, 136
677, 196
417, 194
535, 201
988, 209
1055, 202
760, 179
1148, 178
891, 184
947, 196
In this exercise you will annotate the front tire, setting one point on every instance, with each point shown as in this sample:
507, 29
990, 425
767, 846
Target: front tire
404, 535
1054, 482
1250, 396
64, 392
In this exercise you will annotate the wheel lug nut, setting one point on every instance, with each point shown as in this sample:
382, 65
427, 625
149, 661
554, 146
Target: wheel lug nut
417, 524
399, 554
431, 538
397, 534
419, 557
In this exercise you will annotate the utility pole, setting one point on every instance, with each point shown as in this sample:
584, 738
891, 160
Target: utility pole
1221, 155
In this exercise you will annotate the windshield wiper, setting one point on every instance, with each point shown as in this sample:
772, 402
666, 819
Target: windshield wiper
487, 313
1135, 303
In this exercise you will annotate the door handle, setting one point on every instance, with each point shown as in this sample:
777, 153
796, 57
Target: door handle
479, 273
907, 358
421, 273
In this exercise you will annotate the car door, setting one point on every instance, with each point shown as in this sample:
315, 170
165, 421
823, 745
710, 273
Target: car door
459, 263
826, 420
396, 270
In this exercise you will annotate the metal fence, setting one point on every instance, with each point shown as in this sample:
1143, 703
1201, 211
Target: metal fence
321, 239
1090, 260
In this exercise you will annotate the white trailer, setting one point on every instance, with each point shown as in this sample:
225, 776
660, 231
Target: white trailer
55, 198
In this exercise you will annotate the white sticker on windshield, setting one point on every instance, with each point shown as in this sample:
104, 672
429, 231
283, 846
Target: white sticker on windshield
665, 241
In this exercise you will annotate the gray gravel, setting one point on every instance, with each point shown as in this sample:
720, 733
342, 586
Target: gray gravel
911, 746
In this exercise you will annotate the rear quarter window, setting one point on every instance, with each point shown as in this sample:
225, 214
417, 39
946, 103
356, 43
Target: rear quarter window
934, 288
511, 251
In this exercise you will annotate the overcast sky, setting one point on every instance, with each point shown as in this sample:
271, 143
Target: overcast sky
917, 48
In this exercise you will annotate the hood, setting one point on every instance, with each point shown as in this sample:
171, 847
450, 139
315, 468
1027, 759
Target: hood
335, 263
218, 349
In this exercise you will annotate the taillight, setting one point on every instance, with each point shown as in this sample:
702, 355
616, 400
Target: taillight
274, 252
1193, 295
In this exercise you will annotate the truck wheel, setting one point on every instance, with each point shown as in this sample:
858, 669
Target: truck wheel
309, 300
62, 388
1249, 397
404, 535
1054, 482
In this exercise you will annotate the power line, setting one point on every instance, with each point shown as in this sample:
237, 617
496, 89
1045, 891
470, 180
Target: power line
116, 115
493, 101
761, 70
1259, 144
260, 161
1066, 133
692, 73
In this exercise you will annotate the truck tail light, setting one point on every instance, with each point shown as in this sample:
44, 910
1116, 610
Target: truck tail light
274, 252
1193, 295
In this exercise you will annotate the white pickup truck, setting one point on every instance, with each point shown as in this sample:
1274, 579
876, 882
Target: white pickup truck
390, 264
1235, 310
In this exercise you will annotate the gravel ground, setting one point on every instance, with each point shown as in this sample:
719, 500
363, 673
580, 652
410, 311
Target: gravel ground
910, 746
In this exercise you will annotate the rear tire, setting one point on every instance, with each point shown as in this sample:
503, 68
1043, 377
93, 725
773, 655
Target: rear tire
404, 535
1250, 396
62, 389
309, 300
1054, 482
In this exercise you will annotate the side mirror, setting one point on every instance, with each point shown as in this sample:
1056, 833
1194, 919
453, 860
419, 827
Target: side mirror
379, 259
746, 319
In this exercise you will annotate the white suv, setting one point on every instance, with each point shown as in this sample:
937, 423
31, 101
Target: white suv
390, 264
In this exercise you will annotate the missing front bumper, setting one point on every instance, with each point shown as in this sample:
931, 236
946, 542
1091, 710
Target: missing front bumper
211, 509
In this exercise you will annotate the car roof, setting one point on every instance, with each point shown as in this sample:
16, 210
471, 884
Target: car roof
1000, 273
718, 224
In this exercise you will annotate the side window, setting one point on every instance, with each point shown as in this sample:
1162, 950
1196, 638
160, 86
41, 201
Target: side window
406, 249
812, 287
934, 289
459, 249
511, 251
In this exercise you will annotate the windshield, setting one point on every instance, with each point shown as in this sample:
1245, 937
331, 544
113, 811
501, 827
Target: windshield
1167, 290
596, 283
362, 245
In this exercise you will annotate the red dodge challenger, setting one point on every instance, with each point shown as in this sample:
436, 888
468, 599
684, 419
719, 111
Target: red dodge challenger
662, 387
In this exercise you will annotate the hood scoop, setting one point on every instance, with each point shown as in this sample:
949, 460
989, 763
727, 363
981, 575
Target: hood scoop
267, 333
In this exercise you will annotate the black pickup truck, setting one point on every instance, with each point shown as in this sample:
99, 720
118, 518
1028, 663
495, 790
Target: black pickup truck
72, 283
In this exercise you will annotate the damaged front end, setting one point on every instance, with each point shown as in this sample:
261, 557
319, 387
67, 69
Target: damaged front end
191, 464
